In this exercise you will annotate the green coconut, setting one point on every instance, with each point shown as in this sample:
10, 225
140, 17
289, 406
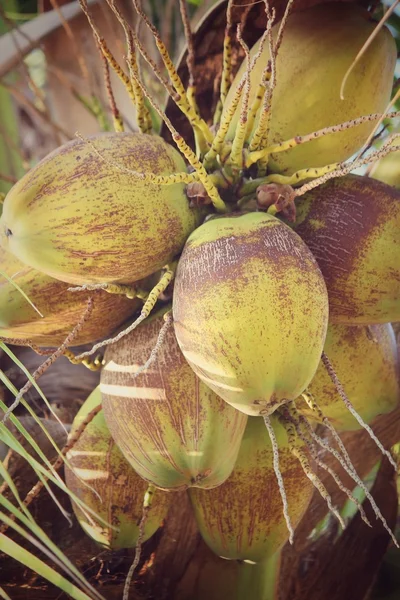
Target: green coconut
243, 519
318, 47
79, 217
250, 310
352, 226
172, 428
118, 492
57, 309
366, 362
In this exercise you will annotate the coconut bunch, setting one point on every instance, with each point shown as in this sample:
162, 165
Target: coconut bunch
282, 269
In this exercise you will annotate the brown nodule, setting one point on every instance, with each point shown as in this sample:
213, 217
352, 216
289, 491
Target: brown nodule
278, 195
197, 194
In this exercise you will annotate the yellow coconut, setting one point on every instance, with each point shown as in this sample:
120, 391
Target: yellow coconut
172, 428
250, 310
118, 492
366, 362
81, 217
318, 47
57, 309
243, 519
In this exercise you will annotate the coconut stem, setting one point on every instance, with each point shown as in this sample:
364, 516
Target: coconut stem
107, 53
256, 155
335, 380
341, 169
269, 80
142, 113
226, 64
261, 134
348, 466
116, 115
191, 58
299, 420
148, 306
92, 365
279, 477
284, 417
148, 498
236, 157
120, 289
319, 175
196, 121
217, 146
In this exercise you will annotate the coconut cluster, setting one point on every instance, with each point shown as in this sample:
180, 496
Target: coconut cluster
219, 390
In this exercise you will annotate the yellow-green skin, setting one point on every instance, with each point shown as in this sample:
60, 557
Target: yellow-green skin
80, 219
60, 308
366, 361
243, 518
98, 461
250, 310
387, 168
318, 47
172, 428
352, 226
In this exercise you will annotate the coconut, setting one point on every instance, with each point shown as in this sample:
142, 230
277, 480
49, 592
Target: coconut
243, 518
80, 217
114, 491
318, 47
352, 226
57, 309
174, 430
366, 362
250, 310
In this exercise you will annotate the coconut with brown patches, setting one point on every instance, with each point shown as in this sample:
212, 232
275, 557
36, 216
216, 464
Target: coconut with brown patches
81, 217
57, 309
250, 310
352, 226
172, 428
318, 47
117, 491
366, 362
243, 519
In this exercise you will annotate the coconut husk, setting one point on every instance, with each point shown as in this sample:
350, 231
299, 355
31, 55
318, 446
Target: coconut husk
208, 37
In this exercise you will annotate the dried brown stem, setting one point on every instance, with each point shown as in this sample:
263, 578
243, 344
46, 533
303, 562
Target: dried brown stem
339, 387
278, 474
299, 453
145, 513
298, 421
24, 101
347, 465
8, 178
